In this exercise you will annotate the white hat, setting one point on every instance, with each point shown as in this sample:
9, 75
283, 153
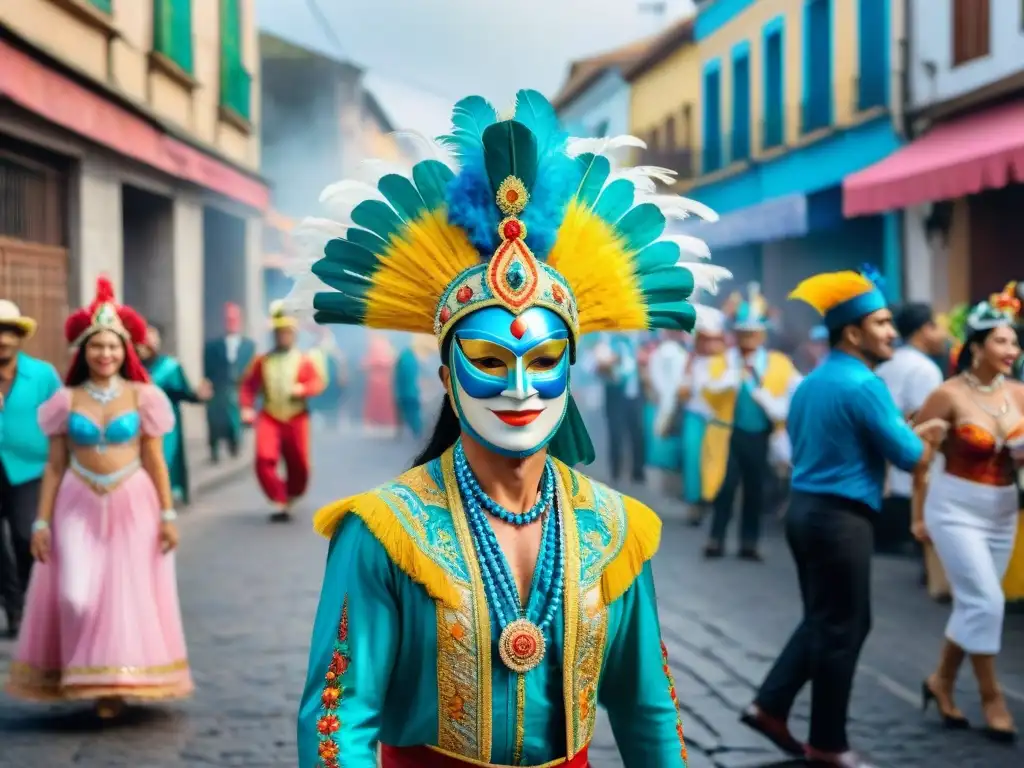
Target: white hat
709, 320
10, 315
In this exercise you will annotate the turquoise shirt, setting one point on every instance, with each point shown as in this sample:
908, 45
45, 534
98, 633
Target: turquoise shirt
844, 427
23, 446
749, 416
409, 670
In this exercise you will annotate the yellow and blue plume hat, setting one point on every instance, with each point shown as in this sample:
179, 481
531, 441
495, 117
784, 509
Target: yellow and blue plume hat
842, 297
511, 213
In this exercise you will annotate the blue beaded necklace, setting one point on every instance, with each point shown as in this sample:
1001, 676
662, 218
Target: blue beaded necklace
468, 482
522, 644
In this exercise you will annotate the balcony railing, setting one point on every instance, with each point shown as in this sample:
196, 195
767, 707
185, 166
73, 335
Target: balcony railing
680, 160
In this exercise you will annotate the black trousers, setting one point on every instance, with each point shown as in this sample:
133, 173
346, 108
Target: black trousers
747, 467
832, 540
625, 418
18, 507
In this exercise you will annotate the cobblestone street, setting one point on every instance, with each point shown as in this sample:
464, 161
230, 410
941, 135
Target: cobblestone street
249, 591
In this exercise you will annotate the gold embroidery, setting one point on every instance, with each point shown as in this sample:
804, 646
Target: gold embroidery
464, 663
593, 633
571, 608
517, 757
27, 673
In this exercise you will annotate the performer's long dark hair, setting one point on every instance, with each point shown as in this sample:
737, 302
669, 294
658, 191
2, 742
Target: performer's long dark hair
446, 432
965, 360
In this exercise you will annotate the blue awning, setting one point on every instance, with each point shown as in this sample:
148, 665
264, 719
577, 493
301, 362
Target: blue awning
776, 219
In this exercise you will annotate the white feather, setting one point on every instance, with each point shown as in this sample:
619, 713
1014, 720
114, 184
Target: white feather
706, 277
689, 245
299, 300
709, 319
342, 197
372, 170
644, 177
577, 147
426, 148
676, 207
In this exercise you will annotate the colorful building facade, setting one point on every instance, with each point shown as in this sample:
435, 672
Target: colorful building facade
795, 95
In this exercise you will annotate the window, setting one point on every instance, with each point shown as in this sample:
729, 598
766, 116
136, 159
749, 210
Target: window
235, 82
712, 159
817, 104
774, 119
873, 52
972, 20
172, 31
104, 5
740, 144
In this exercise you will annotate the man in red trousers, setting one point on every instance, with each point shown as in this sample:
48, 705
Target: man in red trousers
284, 379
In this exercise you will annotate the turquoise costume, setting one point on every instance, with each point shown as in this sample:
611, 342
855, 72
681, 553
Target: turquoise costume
224, 372
407, 391
508, 243
167, 373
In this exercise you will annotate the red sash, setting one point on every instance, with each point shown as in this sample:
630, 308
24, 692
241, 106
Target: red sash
423, 757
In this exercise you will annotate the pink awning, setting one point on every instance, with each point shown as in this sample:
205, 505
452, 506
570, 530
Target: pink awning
980, 151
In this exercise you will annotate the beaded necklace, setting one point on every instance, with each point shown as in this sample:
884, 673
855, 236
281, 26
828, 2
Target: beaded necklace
522, 644
468, 481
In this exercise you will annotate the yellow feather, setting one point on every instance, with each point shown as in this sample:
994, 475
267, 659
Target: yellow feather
415, 270
830, 289
643, 535
599, 270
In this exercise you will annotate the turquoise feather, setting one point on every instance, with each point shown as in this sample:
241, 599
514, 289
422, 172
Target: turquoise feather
536, 113
674, 316
342, 309
350, 256
432, 178
641, 226
616, 199
340, 279
510, 149
378, 218
402, 195
368, 240
655, 255
666, 284
596, 169
470, 117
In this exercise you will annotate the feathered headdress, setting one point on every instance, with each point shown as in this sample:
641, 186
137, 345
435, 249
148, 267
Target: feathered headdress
750, 312
510, 213
841, 297
105, 314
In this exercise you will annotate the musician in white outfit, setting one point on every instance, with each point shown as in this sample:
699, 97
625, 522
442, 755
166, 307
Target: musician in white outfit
970, 509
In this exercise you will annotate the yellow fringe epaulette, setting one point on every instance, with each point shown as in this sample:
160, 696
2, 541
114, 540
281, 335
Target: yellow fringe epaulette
399, 544
642, 537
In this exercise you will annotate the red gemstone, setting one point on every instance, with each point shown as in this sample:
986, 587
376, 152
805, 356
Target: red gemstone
518, 328
464, 294
446, 315
512, 229
524, 646
512, 196
557, 294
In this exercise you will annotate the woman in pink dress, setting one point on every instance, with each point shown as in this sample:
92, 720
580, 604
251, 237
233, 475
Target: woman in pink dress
102, 620
379, 401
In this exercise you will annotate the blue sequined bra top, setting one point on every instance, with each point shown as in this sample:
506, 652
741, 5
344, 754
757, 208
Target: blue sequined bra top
120, 429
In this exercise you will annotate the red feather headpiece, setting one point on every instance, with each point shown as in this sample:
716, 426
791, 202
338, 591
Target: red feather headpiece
105, 314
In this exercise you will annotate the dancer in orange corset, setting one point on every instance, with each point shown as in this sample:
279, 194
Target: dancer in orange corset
284, 379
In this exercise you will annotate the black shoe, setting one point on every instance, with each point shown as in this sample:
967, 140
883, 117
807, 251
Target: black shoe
1000, 735
281, 516
952, 722
751, 555
13, 624
713, 551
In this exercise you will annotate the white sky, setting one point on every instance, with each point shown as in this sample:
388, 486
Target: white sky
422, 55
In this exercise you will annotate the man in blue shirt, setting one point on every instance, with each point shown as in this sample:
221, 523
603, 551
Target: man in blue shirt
844, 427
25, 384
616, 362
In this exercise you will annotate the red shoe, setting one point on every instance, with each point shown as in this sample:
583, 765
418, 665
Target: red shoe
773, 729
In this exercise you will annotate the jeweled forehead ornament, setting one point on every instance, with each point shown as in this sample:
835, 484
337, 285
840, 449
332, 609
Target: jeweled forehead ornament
104, 318
513, 278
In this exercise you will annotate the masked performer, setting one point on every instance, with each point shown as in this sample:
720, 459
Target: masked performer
102, 620
476, 610
285, 379
748, 389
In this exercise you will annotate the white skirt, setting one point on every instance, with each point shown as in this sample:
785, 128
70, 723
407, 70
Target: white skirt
973, 527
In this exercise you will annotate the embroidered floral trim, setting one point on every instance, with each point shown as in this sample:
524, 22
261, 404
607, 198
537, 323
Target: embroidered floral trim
675, 701
329, 723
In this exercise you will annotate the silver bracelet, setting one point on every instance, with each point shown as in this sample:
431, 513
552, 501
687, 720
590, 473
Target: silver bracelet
40, 525
168, 516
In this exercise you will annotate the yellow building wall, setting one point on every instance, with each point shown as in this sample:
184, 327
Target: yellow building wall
664, 89
115, 51
749, 27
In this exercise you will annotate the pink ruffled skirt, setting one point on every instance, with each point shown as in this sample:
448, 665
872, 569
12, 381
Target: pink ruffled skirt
102, 616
